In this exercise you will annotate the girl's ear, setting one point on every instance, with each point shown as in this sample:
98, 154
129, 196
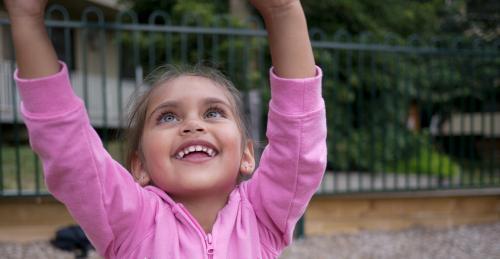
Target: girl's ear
247, 164
139, 172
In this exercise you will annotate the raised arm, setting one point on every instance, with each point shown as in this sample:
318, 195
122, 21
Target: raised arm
291, 50
98, 192
35, 55
293, 162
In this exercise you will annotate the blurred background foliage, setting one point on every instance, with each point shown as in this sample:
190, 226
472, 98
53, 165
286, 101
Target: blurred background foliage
369, 93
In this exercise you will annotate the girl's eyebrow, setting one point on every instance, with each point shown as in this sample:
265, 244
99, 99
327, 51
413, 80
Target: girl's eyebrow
167, 104
213, 100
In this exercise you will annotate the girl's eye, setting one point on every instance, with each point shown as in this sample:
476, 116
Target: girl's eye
167, 117
214, 113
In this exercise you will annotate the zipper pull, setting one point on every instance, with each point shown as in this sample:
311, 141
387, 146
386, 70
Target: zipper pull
210, 247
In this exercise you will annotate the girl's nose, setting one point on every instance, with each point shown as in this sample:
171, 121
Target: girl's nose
191, 127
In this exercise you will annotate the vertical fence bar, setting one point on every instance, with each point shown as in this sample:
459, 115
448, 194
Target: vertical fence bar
440, 78
401, 179
230, 57
462, 136
169, 56
395, 67
165, 21
444, 80
151, 51
138, 70
413, 76
67, 43
17, 153
184, 40
215, 42
476, 135
104, 85
402, 117
330, 72
458, 61
493, 98
84, 44
390, 127
372, 122
441, 56
483, 135
468, 111
3, 81
336, 81
119, 87
151, 45
246, 71
456, 69
200, 46
393, 84
383, 143
343, 36
488, 156
349, 117
359, 115
418, 84
426, 96
36, 174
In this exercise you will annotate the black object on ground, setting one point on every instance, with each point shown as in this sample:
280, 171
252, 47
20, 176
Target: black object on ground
73, 239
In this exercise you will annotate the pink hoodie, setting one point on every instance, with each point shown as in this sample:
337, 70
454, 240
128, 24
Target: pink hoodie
124, 220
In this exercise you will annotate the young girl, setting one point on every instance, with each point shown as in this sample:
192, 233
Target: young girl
183, 197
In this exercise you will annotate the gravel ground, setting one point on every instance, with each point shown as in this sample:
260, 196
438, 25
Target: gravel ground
478, 241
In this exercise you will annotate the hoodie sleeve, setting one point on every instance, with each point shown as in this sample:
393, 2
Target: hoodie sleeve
293, 163
98, 192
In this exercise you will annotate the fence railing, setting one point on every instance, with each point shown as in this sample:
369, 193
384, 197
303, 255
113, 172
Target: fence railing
403, 115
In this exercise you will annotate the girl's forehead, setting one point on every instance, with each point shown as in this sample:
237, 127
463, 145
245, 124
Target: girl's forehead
188, 88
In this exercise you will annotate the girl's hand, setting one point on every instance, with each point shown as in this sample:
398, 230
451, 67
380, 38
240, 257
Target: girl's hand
267, 7
25, 9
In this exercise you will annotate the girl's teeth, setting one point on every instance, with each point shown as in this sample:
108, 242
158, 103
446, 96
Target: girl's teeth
197, 148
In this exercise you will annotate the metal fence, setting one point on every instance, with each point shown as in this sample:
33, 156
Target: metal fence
403, 114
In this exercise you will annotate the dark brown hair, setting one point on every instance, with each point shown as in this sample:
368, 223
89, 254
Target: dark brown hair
158, 78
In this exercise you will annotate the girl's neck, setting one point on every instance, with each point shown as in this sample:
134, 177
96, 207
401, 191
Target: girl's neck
204, 209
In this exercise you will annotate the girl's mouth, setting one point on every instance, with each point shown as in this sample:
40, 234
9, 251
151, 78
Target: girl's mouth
196, 153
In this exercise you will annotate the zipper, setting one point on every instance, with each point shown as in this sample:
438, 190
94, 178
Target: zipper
210, 247
208, 238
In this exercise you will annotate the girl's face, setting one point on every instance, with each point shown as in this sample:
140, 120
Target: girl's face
191, 143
